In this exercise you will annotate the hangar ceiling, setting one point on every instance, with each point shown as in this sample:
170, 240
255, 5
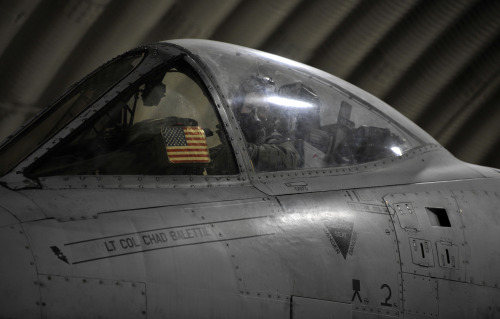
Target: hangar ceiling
437, 62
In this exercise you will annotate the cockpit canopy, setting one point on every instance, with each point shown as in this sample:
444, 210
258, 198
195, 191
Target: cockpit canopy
150, 114
294, 117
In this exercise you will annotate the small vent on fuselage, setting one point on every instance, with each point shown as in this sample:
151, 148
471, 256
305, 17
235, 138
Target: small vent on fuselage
438, 217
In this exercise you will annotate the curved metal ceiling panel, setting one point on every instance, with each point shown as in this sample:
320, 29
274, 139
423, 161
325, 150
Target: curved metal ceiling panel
307, 27
405, 44
12, 18
356, 37
252, 22
444, 59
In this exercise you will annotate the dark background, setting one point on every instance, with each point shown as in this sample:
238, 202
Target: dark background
437, 62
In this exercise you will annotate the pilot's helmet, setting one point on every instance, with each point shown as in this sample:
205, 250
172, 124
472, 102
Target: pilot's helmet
258, 83
253, 90
300, 92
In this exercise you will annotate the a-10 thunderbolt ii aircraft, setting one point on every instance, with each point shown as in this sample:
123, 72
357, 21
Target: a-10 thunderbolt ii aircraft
196, 179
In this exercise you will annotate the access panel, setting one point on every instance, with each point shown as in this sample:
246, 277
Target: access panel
429, 230
340, 249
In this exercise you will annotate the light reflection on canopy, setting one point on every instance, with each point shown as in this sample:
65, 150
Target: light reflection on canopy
286, 102
397, 150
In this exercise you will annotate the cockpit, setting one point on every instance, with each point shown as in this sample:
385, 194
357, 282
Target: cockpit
190, 110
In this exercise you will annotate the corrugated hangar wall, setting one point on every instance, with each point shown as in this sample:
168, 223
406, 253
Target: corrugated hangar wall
437, 62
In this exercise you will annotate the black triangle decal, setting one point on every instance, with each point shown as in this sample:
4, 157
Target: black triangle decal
342, 233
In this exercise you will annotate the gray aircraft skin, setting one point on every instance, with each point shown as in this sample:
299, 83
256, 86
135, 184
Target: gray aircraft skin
198, 179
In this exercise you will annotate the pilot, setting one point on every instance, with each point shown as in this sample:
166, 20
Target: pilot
301, 115
252, 107
269, 147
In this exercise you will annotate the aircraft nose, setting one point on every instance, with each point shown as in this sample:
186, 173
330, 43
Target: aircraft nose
19, 293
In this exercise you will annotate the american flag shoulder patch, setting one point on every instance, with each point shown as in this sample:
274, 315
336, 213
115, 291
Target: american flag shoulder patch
186, 144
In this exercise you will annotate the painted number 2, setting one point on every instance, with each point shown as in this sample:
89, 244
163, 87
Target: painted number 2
386, 303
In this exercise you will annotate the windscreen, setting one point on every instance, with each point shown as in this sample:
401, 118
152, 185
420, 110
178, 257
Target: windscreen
65, 110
